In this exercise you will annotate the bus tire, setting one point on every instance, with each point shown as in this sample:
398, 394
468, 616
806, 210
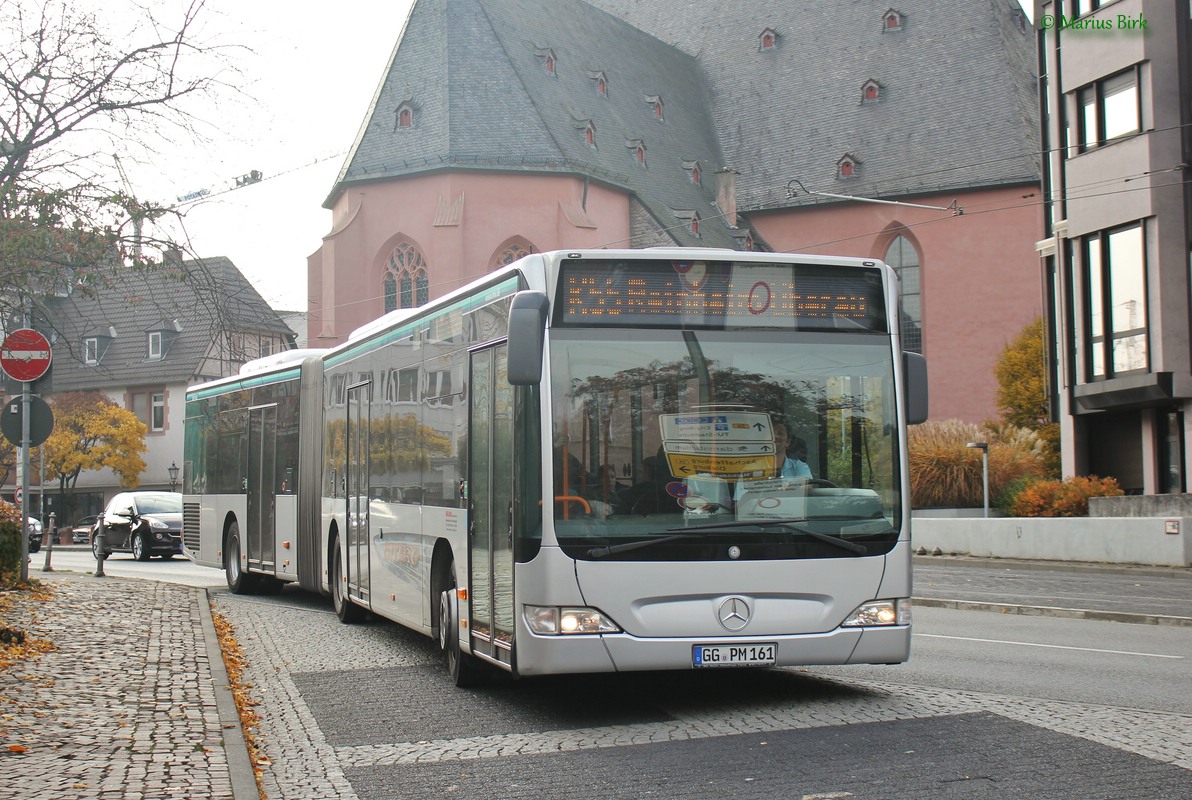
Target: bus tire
464, 668
348, 612
239, 581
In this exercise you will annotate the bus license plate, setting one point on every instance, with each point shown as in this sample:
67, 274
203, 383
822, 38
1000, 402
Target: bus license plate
734, 655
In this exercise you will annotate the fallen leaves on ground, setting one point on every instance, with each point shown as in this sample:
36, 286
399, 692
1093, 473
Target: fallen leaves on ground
236, 663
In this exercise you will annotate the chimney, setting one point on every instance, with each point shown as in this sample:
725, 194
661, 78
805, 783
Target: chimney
726, 194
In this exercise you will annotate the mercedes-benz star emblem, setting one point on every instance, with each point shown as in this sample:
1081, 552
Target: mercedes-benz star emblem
734, 613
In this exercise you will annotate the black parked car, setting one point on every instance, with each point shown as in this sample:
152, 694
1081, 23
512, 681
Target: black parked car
142, 523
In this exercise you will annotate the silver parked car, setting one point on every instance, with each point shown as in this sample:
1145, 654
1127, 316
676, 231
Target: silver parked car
142, 523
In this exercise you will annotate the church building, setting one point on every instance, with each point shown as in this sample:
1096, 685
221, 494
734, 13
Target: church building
907, 133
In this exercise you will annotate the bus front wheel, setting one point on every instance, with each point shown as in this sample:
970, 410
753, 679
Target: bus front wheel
464, 669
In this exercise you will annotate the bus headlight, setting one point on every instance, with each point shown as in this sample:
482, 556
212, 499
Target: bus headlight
879, 613
553, 621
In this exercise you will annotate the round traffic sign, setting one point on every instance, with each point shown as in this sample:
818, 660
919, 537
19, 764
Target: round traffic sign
41, 421
25, 355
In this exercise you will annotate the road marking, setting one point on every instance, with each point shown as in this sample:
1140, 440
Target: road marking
1052, 646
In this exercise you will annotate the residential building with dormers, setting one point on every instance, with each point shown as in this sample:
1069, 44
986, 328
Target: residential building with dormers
141, 336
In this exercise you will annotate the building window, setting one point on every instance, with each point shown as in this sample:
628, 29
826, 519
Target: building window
847, 167
902, 256
149, 406
510, 254
871, 91
694, 226
1115, 302
549, 61
405, 115
405, 283
600, 81
1109, 109
892, 21
154, 345
768, 39
655, 102
590, 133
91, 351
1082, 7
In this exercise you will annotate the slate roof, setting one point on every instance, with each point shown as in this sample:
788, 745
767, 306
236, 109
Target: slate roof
190, 302
474, 72
957, 109
958, 105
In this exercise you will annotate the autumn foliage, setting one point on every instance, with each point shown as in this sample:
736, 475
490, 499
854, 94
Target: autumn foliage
1021, 373
1066, 498
945, 471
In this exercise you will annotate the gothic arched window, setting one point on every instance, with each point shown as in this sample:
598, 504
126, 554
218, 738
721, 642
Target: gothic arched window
902, 256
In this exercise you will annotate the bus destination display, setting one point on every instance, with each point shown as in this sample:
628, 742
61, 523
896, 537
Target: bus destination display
720, 294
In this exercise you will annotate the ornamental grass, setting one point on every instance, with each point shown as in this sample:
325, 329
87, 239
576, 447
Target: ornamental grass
946, 473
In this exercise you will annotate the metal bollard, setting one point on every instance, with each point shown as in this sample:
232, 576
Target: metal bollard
49, 543
101, 541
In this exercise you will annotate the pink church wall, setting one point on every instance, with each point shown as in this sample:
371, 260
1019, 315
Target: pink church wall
370, 220
981, 283
980, 272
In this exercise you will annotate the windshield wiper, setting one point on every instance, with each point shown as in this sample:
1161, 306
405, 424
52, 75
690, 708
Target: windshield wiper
601, 552
784, 524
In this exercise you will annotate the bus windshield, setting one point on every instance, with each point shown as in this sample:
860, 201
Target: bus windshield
700, 445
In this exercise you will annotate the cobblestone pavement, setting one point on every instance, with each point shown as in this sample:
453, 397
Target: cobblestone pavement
134, 704
420, 737
125, 706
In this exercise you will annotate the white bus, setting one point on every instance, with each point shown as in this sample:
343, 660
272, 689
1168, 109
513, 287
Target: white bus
588, 461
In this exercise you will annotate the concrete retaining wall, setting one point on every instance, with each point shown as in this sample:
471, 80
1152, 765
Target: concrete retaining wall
1159, 541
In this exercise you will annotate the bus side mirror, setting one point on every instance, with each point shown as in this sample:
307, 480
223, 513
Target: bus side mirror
527, 335
914, 377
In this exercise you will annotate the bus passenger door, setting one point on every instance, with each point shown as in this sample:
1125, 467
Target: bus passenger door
490, 493
262, 492
356, 491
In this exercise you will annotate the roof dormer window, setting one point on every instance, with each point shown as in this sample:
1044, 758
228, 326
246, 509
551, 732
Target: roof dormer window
549, 61
892, 21
694, 171
768, 39
847, 167
590, 134
693, 226
405, 115
637, 147
655, 101
91, 351
600, 81
871, 91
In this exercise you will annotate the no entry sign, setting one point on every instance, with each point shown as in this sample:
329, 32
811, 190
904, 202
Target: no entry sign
25, 355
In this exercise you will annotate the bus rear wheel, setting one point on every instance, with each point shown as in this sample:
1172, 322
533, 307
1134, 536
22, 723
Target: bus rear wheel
464, 669
239, 581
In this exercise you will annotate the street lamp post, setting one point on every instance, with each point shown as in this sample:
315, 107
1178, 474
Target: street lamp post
173, 470
984, 447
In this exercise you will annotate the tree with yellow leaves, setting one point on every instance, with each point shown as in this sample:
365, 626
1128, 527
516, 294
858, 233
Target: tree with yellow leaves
92, 433
1021, 373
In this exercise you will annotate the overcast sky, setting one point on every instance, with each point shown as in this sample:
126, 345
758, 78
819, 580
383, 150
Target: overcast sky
311, 70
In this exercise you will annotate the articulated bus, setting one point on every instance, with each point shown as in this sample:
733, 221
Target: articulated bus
594, 461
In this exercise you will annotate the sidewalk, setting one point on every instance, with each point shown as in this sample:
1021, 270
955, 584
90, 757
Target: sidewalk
133, 703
